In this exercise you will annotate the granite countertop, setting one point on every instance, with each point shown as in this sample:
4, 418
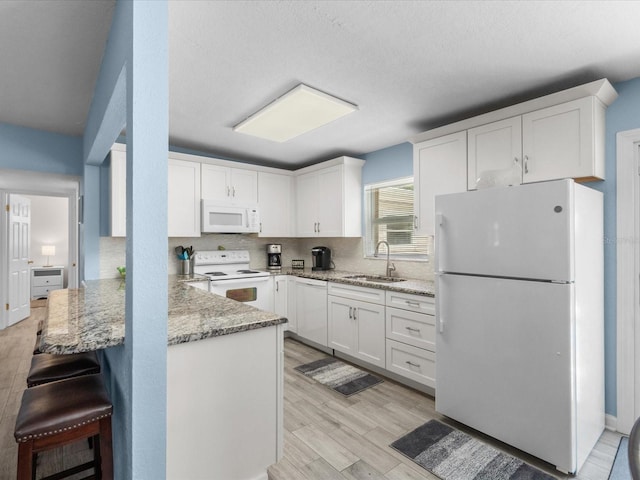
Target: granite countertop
410, 285
92, 318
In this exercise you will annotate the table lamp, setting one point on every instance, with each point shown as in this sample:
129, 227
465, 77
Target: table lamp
48, 251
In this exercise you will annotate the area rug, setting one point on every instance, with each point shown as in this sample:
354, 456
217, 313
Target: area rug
345, 379
453, 455
620, 469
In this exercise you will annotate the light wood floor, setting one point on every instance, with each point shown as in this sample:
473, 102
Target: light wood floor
16, 349
326, 436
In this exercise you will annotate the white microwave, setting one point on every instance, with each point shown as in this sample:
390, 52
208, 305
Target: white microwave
217, 218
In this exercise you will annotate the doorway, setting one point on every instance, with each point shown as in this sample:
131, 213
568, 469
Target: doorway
628, 278
47, 191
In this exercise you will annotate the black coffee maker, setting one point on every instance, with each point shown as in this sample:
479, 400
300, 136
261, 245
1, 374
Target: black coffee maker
274, 256
321, 258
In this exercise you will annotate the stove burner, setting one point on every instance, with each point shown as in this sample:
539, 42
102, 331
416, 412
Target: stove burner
216, 274
247, 271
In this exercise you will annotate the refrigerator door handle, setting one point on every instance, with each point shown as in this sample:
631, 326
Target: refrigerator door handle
438, 241
436, 299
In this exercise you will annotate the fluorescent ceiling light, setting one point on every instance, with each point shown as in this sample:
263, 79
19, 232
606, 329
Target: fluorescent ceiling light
296, 112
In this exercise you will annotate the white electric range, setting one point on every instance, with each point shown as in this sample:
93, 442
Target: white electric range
230, 276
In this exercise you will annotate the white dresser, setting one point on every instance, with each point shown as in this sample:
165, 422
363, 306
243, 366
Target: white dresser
45, 279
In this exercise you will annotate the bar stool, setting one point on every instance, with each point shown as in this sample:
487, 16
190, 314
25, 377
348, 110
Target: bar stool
59, 413
48, 367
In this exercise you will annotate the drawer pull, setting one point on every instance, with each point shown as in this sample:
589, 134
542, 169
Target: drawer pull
411, 329
412, 364
412, 304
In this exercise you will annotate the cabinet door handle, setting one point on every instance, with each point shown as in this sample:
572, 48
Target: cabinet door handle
350, 312
277, 286
354, 313
228, 192
318, 227
233, 190
415, 222
411, 329
412, 364
260, 227
526, 164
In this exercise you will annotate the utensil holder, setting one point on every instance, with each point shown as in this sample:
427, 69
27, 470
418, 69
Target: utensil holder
186, 267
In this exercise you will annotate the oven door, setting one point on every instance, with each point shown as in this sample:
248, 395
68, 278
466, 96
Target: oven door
254, 291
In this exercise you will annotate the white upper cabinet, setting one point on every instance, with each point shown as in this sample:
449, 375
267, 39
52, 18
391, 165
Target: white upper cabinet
275, 203
229, 185
564, 141
329, 199
548, 138
439, 167
183, 198
495, 150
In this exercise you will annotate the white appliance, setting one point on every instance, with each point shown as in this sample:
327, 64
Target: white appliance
219, 218
230, 276
519, 316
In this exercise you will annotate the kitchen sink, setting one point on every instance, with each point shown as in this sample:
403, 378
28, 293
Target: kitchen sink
374, 278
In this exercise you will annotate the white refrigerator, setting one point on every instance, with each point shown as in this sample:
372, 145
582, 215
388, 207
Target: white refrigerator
519, 314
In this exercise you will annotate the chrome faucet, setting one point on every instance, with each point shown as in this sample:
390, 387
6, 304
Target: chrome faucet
390, 266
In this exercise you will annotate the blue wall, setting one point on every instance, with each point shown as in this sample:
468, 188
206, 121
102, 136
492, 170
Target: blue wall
388, 163
24, 148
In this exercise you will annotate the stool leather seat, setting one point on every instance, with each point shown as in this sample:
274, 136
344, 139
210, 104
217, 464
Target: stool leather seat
59, 413
58, 406
48, 367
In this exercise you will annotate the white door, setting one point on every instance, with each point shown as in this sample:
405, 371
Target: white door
524, 231
341, 324
275, 204
183, 196
506, 362
330, 203
370, 332
306, 205
563, 132
439, 166
216, 182
244, 186
495, 152
19, 243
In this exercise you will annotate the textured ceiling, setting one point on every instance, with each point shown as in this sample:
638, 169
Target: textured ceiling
409, 66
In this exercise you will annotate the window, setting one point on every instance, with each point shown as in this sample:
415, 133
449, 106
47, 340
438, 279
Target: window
389, 217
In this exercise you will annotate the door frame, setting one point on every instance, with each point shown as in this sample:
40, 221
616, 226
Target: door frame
628, 281
46, 184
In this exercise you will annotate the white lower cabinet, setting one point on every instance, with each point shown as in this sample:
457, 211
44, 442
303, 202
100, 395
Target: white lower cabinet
284, 293
413, 363
411, 337
391, 330
356, 327
311, 309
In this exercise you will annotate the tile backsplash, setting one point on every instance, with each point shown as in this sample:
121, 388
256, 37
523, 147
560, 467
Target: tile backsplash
347, 254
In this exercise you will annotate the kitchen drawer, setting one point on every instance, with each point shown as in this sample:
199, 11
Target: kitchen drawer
413, 363
37, 292
46, 281
364, 294
414, 303
417, 329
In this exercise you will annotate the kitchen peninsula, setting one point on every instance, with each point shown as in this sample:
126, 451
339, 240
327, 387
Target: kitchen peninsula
224, 372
